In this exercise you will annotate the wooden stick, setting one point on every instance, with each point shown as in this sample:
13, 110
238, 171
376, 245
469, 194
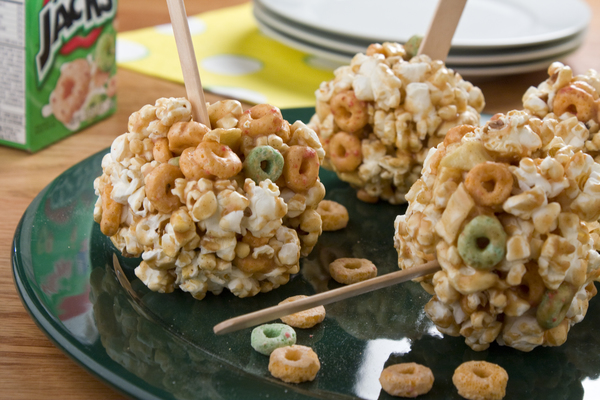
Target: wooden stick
331, 296
438, 39
187, 58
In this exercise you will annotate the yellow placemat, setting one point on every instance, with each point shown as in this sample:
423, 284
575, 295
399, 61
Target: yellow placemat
234, 58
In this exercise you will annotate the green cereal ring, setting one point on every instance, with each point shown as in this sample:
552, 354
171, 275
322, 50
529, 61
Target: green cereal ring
266, 338
482, 243
105, 52
263, 162
554, 306
412, 45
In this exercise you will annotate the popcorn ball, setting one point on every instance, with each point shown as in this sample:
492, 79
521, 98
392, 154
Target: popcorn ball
233, 207
380, 115
510, 211
571, 100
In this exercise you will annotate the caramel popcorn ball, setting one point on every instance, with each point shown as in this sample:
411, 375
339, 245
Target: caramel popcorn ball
380, 115
510, 211
233, 207
573, 101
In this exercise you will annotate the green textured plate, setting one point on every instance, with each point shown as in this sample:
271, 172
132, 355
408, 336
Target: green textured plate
150, 345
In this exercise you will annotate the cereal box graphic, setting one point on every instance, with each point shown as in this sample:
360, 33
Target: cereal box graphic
59, 58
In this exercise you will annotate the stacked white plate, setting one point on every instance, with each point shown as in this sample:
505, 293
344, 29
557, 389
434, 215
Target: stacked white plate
493, 37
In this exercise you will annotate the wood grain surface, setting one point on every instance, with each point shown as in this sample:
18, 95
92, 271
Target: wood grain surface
30, 365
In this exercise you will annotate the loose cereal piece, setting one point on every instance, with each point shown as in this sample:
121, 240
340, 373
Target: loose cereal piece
480, 380
303, 319
294, 364
333, 214
352, 270
268, 337
406, 379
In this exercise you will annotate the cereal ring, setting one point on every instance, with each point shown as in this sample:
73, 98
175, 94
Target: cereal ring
363, 195
160, 151
261, 264
266, 338
218, 160
455, 135
263, 162
412, 45
480, 380
185, 134
264, 120
111, 213
349, 113
190, 168
159, 183
294, 364
406, 379
334, 216
352, 270
301, 168
554, 306
345, 152
71, 89
576, 101
489, 183
303, 319
482, 242
532, 286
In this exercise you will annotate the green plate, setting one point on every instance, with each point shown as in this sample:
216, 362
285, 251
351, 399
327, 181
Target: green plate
161, 346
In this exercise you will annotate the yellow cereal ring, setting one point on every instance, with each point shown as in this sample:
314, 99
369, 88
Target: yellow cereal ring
183, 135
576, 101
350, 114
480, 380
264, 120
406, 379
301, 168
159, 183
294, 364
345, 152
333, 215
352, 270
303, 319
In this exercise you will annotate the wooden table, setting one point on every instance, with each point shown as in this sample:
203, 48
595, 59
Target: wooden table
30, 365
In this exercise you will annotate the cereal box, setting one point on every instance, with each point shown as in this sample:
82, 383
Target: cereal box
57, 59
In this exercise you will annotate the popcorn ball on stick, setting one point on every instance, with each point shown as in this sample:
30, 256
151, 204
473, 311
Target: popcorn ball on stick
380, 115
509, 211
195, 204
569, 99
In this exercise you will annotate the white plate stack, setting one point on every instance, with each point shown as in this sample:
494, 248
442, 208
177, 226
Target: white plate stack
494, 37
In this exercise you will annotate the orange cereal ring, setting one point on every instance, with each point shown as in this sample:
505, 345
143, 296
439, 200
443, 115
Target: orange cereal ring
263, 120
576, 101
111, 212
478, 380
159, 183
303, 319
218, 160
160, 151
334, 216
406, 379
455, 135
349, 113
190, 168
489, 183
352, 270
294, 364
185, 134
71, 89
301, 168
345, 152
